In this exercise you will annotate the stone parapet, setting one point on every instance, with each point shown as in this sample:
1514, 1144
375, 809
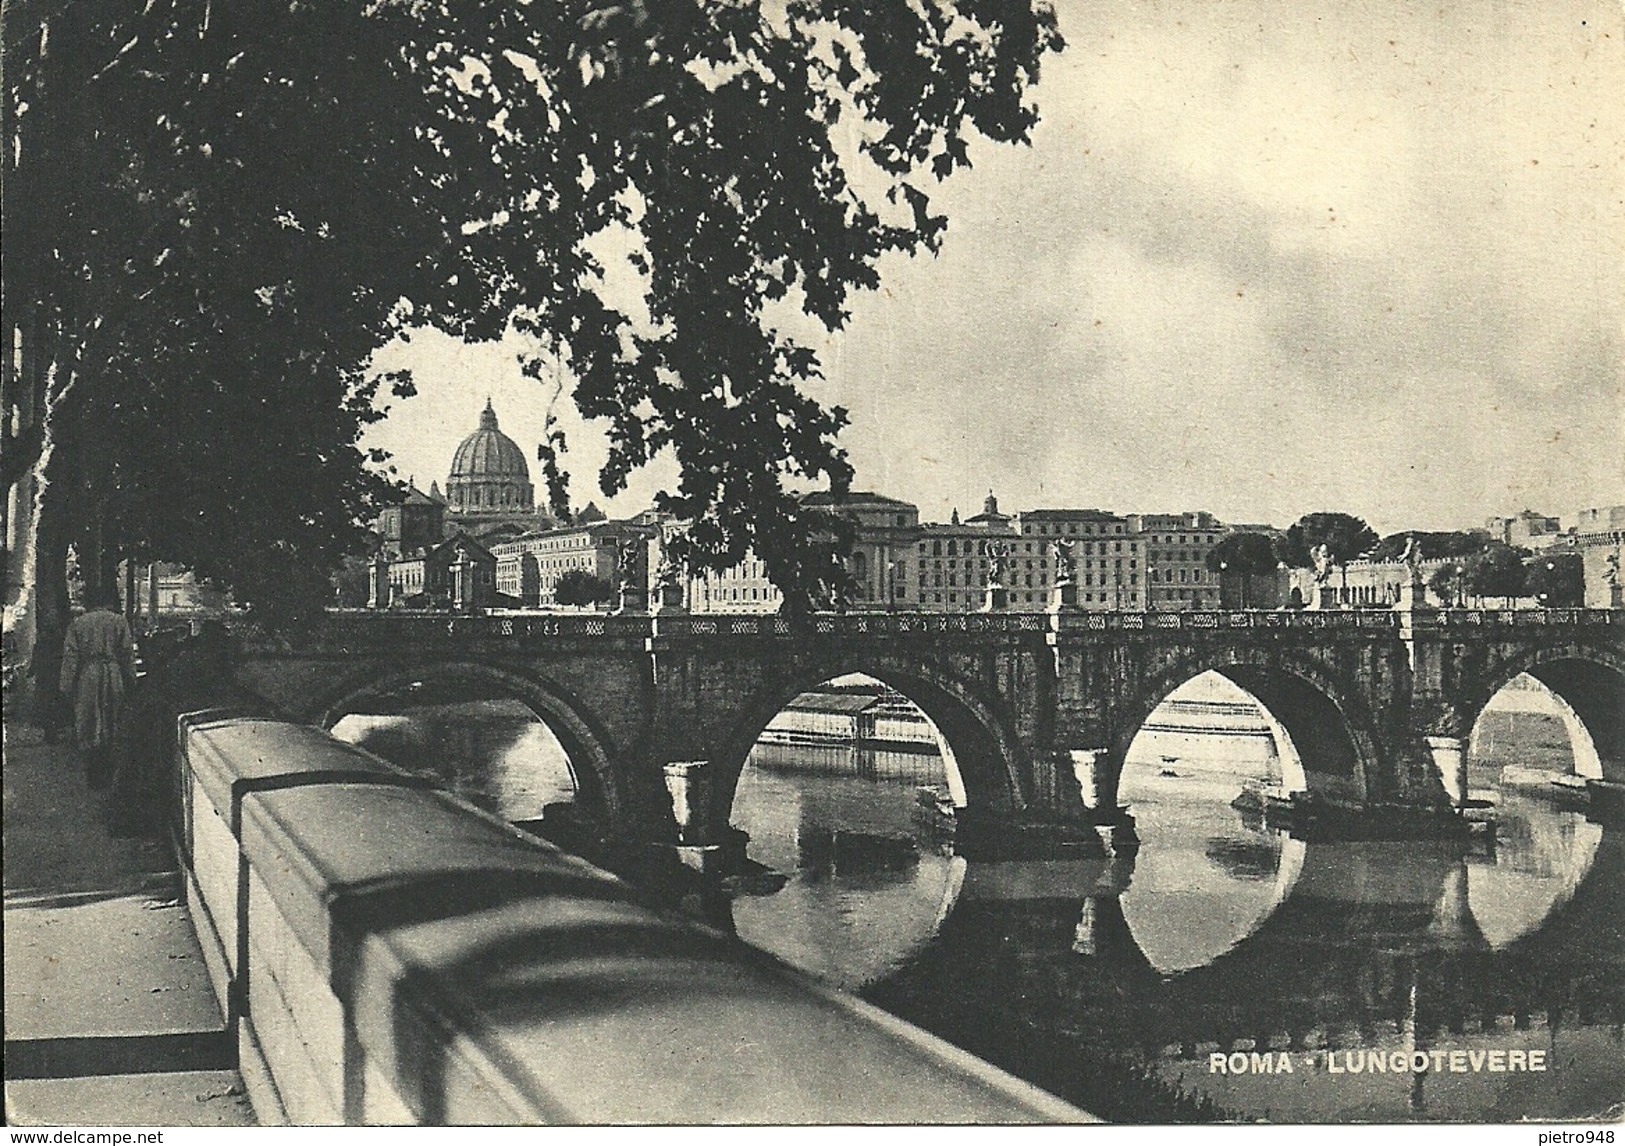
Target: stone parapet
410, 959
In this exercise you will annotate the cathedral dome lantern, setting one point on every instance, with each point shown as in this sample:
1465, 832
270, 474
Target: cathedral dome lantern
488, 472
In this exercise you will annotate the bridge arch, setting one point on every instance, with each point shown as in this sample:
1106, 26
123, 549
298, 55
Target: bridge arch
1591, 681
599, 788
976, 731
1330, 730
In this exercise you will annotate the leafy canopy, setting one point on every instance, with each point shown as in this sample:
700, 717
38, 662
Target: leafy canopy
1496, 572
1433, 543
578, 587
1248, 554
657, 187
1345, 537
654, 189
220, 211
1556, 580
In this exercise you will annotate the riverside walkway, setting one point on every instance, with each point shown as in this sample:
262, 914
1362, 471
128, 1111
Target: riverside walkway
109, 1019
415, 961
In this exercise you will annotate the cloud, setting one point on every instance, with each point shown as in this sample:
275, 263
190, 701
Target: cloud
1273, 258
1262, 258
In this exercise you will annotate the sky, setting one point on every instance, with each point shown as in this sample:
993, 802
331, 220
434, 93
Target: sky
1260, 259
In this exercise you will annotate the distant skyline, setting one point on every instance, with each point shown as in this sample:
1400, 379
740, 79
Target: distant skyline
1261, 259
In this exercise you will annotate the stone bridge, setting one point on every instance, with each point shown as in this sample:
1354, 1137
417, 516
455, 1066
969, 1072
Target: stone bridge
1035, 711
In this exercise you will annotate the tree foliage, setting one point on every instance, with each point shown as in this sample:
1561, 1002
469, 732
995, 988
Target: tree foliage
704, 142
1345, 537
1447, 584
578, 587
228, 208
1556, 580
1434, 543
1496, 572
221, 211
1246, 553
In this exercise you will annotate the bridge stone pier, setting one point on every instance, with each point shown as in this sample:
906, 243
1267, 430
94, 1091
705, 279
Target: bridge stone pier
1035, 711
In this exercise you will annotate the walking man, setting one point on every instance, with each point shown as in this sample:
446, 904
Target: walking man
98, 669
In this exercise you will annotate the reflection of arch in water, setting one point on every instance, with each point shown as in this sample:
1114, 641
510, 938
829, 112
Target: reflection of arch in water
1326, 964
1542, 857
856, 896
1418, 895
1327, 732
851, 927
587, 757
1179, 923
1589, 682
849, 941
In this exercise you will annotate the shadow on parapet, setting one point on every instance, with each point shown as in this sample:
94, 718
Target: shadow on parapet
396, 956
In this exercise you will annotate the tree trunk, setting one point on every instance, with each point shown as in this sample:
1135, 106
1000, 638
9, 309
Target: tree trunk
49, 577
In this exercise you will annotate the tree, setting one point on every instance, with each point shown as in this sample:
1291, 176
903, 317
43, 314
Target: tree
706, 142
1496, 572
1435, 543
578, 587
1556, 580
1344, 536
210, 243
228, 212
1246, 554
1448, 583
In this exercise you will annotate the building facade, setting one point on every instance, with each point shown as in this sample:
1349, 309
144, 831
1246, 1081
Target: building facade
529, 567
1527, 530
1600, 536
950, 566
742, 588
417, 523
1176, 547
1107, 562
884, 535
428, 579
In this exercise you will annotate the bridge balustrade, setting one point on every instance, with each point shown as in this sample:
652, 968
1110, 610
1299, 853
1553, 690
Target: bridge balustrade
404, 625
1192, 620
389, 954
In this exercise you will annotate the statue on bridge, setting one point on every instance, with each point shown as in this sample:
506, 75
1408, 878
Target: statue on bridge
628, 592
1412, 557
995, 596
997, 553
1322, 558
1061, 550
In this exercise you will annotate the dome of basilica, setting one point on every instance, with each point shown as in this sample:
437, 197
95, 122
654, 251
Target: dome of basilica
488, 471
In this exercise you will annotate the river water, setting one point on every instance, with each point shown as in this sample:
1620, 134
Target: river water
1133, 985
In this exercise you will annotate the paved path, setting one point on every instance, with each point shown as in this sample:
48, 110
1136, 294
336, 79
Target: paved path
109, 1017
